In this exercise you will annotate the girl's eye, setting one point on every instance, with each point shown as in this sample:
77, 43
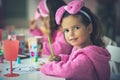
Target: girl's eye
76, 27
66, 30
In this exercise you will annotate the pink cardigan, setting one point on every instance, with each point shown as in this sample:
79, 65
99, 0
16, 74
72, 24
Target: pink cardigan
89, 63
59, 44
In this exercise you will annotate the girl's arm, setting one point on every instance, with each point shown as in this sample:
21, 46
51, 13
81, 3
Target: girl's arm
72, 66
34, 30
64, 57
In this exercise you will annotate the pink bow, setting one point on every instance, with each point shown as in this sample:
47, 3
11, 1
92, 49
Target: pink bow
43, 10
37, 15
72, 8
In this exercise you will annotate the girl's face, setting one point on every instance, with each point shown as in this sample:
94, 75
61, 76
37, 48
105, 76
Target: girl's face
76, 33
45, 26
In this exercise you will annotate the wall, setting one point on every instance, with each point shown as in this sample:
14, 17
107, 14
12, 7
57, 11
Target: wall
1, 16
15, 12
118, 23
32, 4
0, 2
91, 4
24, 21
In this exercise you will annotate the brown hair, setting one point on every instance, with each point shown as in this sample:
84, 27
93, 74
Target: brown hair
53, 5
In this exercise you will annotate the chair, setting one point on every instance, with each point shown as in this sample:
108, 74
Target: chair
109, 41
115, 58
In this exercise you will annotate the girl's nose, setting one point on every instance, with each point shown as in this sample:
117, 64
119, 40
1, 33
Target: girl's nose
71, 33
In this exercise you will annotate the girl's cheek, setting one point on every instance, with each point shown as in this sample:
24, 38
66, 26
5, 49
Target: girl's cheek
66, 37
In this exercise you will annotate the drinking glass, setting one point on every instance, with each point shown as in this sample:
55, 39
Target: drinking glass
10, 48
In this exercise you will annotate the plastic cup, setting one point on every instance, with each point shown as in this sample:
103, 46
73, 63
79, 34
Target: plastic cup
10, 48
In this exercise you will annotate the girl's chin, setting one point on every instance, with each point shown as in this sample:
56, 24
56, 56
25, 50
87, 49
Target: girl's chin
76, 45
73, 44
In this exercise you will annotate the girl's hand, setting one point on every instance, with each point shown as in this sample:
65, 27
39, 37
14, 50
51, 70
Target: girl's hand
33, 24
38, 69
55, 58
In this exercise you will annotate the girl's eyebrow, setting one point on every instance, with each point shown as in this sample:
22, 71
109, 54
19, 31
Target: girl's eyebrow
76, 25
64, 28
71, 26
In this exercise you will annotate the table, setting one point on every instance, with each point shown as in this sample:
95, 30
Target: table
35, 75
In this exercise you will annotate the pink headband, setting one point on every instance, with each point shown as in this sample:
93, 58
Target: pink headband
72, 8
42, 7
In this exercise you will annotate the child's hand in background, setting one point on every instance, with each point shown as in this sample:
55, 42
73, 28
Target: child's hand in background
33, 24
45, 26
55, 58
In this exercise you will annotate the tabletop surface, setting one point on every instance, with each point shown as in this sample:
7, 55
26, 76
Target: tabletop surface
26, 70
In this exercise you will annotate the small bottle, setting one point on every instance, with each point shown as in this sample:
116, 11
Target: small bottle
18, 60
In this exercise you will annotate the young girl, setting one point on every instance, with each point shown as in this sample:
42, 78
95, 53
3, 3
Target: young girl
89, 60
46, 13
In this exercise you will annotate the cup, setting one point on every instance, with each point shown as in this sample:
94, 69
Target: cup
10, 48
35, 47
1, 53
1, 56
21, 38
39, 45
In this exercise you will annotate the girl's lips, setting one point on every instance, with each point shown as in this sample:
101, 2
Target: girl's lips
73, 39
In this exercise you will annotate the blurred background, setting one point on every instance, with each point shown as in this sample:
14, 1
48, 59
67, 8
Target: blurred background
18, 13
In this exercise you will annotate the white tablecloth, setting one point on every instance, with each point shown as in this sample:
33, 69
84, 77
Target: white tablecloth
25, 74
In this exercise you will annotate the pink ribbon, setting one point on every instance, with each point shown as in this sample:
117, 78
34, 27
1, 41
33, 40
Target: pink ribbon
42, 7
72, 8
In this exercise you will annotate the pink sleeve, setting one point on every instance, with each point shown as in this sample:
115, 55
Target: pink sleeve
64, 57
74, 66
59, 46
35, 32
